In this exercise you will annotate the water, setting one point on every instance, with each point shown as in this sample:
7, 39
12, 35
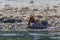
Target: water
29, 35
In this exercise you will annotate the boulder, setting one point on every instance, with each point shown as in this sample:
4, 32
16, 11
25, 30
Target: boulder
9, 21
38, 25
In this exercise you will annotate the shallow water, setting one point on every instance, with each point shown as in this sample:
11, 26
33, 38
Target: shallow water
30, 35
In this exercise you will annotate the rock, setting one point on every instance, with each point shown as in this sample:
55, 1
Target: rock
40, 16
38, 25
9, 21
18, 21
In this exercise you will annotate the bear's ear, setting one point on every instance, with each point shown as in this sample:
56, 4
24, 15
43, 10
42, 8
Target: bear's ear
32, 14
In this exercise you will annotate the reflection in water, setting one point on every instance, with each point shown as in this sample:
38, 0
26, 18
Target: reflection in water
9, 34
32, 36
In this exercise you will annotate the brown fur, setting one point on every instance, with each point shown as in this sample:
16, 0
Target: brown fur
33, 19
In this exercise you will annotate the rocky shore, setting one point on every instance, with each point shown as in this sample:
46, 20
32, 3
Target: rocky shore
20, 16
